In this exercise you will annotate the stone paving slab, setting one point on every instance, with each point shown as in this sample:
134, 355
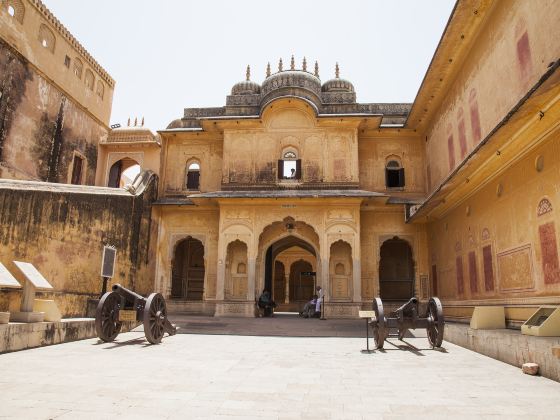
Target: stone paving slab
196, 376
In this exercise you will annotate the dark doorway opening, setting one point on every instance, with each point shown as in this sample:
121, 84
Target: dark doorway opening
396, 270
187, 280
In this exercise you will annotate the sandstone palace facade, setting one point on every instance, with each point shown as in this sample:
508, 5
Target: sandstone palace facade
293, 183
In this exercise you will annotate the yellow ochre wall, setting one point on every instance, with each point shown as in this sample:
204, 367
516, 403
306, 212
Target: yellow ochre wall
513, 50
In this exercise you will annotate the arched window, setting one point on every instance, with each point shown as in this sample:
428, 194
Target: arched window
100, 89
90, 79
394, 175
46, 38
16, 9
78, 67
193, 176
289, 167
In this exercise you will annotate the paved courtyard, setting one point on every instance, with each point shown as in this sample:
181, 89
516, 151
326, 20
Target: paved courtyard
266, 377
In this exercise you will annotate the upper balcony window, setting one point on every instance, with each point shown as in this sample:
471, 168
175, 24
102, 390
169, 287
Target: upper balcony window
394, 175
78, 67
289, 167
193, 176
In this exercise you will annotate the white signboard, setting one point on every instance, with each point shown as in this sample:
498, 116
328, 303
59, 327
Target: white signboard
108, 262
6, 278
33, 275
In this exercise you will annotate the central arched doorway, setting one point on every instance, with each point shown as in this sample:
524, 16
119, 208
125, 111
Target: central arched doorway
290, 272
396, 270
187, 281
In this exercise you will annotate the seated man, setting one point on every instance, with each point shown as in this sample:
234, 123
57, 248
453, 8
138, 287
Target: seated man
266, 303
309, 308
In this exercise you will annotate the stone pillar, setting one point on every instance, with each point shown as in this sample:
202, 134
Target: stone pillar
251, 270
324, 283
357, 281
287, 296
221, 275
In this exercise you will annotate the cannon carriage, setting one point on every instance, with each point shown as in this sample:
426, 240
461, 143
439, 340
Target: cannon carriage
122, 305
407, 318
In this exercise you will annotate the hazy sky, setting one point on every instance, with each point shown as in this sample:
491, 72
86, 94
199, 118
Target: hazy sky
170, 54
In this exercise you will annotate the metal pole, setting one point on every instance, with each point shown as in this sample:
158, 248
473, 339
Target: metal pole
104, 287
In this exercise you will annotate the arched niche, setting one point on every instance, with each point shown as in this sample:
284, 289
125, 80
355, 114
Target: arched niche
236, 282
340, 269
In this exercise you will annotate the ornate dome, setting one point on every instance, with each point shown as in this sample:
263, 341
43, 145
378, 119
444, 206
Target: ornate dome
337, 84
246, 87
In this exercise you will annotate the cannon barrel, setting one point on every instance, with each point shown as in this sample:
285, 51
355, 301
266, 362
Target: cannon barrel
408, 305
129, 295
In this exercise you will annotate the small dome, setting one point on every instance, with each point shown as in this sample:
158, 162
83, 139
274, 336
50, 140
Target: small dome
246, 87
337, 84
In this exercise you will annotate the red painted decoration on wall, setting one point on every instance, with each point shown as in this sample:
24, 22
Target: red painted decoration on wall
473, 276
549, 252
451, 151
524, 57
459, 270
462, 134
475, 119
488, 269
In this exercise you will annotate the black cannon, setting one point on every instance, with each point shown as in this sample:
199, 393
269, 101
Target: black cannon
406, 318
124, 305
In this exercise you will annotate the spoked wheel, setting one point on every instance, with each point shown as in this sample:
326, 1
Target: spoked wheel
155, 314
379, 325
435, 322
107, 323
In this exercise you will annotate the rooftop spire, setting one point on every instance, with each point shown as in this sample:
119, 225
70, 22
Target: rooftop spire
248, 73
142, 121
280, 65
268, 70
304, 64
337, 71
128, 125
316, 69
292, 63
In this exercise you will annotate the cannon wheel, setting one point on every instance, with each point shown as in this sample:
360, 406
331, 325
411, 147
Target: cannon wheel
380, 324
155, 314
107, 323
435, 322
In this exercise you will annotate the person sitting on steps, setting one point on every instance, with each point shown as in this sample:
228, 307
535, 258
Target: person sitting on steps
266, 303
309, 308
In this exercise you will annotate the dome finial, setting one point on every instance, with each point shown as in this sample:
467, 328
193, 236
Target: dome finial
337, 71
280, 65
128, 125
142, 121
248, 73
316, 69
292, 63
304, 64
268, 70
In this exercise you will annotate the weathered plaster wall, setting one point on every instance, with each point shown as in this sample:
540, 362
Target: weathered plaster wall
41, 128
375, 151
180, 150
378, 225
500, 244
25, 33
62, 232
512, 51
329, 152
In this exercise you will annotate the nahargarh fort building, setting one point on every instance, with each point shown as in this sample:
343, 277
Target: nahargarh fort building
293, 183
